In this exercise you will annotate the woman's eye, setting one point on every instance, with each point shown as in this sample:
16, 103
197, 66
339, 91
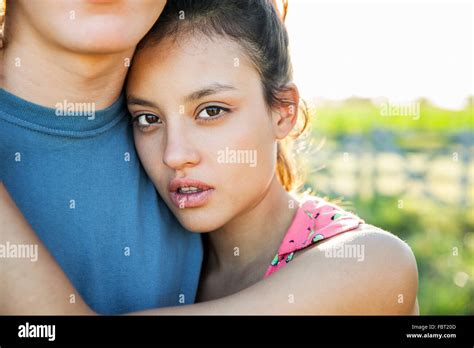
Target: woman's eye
212, 112
147, 120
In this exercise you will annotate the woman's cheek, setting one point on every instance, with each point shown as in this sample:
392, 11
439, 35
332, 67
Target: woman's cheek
247, 170
149, 155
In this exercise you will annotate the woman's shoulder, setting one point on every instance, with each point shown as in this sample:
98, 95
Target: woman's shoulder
371, 270
367, 243
373, 263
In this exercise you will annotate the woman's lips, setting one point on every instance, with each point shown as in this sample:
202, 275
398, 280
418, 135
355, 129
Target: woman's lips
190, 200
198, 193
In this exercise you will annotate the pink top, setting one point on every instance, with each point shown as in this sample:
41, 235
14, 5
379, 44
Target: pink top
315, 220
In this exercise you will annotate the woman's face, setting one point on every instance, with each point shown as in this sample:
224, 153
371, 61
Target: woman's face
86, 26
202, 129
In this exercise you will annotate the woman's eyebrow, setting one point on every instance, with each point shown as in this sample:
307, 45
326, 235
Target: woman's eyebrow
201, 93
142, 102
208, 90
139, 101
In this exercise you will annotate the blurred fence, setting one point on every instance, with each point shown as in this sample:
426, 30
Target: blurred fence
428, 166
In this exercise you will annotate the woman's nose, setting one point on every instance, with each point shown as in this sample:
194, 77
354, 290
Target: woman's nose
179, 150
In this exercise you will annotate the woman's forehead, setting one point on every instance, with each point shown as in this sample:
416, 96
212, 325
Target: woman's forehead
191, 57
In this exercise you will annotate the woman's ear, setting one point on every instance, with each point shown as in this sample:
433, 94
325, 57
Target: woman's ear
285, 111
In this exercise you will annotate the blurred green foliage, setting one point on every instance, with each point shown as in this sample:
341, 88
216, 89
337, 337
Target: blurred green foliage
442, 240
362, 115
440, 235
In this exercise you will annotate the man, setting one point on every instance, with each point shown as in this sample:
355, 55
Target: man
68, 160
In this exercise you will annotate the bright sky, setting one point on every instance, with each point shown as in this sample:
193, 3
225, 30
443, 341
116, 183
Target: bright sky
401, 50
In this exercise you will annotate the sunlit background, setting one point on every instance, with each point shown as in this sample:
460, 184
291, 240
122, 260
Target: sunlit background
400, 49
390, 91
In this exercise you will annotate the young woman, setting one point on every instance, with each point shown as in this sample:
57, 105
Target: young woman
212, 102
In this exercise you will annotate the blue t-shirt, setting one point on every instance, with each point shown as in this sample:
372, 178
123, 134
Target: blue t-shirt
79, 183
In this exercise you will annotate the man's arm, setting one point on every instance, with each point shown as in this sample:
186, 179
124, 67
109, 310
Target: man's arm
28, 287
381, 280
384, 281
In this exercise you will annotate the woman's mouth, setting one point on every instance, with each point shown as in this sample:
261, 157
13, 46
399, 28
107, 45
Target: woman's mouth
189, 193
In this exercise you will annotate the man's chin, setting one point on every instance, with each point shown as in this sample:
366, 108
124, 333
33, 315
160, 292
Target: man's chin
100, 46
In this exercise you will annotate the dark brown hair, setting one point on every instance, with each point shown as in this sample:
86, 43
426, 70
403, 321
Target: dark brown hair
257, 26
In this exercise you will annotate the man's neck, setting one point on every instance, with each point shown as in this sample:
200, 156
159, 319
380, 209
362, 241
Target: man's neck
253, 237
46, 74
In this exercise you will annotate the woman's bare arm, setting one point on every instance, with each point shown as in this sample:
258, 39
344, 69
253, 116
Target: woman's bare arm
381, 281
